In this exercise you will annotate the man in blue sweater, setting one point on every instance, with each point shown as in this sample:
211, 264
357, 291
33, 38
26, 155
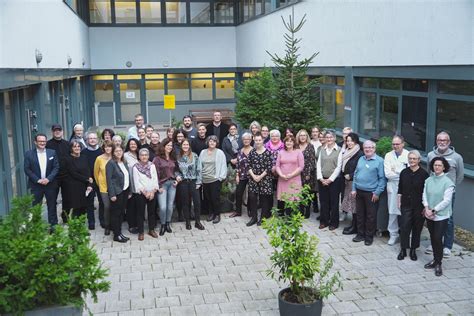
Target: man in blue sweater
369, 182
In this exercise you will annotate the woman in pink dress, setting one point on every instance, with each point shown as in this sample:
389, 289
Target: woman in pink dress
289, 164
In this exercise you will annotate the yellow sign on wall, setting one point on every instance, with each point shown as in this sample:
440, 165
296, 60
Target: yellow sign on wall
170, 101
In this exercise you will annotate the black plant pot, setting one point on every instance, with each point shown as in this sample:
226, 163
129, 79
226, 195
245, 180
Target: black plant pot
293, 309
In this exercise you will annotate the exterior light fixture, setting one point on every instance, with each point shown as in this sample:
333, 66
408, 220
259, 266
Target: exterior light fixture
38, 56
128, 64
83, 62
165, 63
69, 60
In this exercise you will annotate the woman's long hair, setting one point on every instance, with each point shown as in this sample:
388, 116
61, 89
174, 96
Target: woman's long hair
161, 150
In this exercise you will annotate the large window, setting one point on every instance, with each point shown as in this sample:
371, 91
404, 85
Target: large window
224, 12
100, 11
201, 87
200, 12
388, 115
125, 11
333, 99
175, 12
178, 84
225, 85
368, 114
414, 110
150, 11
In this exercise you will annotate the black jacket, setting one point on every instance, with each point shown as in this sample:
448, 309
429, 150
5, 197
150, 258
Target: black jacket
198, 145
227, 149
224, 130
351, 165
62, 148
115, 178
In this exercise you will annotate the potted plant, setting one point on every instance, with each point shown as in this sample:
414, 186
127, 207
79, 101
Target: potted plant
43, 272
297, 261
229, 185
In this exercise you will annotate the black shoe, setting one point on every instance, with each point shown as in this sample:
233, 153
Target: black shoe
180, 218
133, 230
119, 238
124, 237
162, 229
168, 228
351, 230
188, 225
318, 218
413, 255
252, 222
368, 241
211, 217
107, 232
91, 227
102, 225
402, 254
358, 238
259, 223
199, 226
430, 265
438, 270
217, 219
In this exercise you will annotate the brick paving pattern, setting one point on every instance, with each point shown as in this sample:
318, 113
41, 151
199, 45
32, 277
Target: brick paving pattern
222, 271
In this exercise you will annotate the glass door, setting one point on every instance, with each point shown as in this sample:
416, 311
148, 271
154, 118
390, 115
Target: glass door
104, 105
129, 101
389, 106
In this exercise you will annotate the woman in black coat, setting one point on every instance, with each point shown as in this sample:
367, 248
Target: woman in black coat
78, 181
231, 145
350, 157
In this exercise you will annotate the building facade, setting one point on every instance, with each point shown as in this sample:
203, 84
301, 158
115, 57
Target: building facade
385, 67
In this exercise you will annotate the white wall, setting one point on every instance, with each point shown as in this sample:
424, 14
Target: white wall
368, 33
48, 25
153, 47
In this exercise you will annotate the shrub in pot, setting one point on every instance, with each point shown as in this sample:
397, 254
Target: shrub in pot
297, 261
41, 269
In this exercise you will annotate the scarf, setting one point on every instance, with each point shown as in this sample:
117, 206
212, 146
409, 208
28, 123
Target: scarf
93, 148
348, 154
234, 143
144, 168
272, 148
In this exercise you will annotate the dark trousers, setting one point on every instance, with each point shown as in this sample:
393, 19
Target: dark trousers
141, 202
188, 193
132, 211
117, 210
90, 206
239, 193
437, 229
265, 200
366, 214
204, 202
329, 198
76, 212
50, 193
411, 221
212, 192
282, 210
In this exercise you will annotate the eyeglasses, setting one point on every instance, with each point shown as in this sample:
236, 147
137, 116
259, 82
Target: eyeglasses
444, 140
396, 144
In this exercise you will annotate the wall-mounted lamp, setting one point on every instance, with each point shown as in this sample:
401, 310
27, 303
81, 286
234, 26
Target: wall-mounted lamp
38, 56
128, 64
83, 62
165, 63
69, 60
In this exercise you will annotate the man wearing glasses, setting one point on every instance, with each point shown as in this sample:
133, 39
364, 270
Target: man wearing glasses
456, 174
395, 161
139, 123
41, 167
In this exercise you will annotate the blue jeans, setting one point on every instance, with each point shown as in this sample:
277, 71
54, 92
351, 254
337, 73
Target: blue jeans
166, 200
448, 237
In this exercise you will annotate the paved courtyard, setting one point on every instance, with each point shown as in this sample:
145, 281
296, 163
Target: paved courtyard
222, 270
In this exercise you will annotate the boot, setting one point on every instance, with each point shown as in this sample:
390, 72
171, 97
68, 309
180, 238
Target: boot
162, 229
198, 225
180, 215
168, 228
402, 254
188, 224
350, 230
413, 256
252, 221
438, 270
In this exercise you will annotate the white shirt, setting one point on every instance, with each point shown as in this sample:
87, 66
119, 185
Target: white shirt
143, 183
133, 132
126, 179
43, 160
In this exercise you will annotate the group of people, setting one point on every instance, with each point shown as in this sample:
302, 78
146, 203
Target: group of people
143, 177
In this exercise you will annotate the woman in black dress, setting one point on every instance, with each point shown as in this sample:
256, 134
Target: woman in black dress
308, 175
78, 181
260, 162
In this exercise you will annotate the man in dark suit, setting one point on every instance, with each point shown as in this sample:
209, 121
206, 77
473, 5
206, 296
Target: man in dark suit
218, 128
41, 168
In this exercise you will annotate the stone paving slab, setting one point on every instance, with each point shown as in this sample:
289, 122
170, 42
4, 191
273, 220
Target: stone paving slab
222, 271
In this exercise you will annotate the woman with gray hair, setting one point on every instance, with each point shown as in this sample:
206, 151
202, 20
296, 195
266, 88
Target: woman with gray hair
214, 171
410, 192
145, 179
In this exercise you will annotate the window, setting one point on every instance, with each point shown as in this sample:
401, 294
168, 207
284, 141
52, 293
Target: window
125, 11
225, 89
368, 114
388, 115
461, 87
200, 12
223, 12
327, 104
100, 11
175, 12
369, 83
258, 7
415, 85
340, 81
328, 80
150, 11
456, 117
340, 108
72, 4
104, 91
155, 89
180, 88
391, 84
414, 111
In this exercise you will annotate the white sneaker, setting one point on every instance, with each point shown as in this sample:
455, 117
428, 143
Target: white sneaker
429, 249
446, 253
393, 240
342, 216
